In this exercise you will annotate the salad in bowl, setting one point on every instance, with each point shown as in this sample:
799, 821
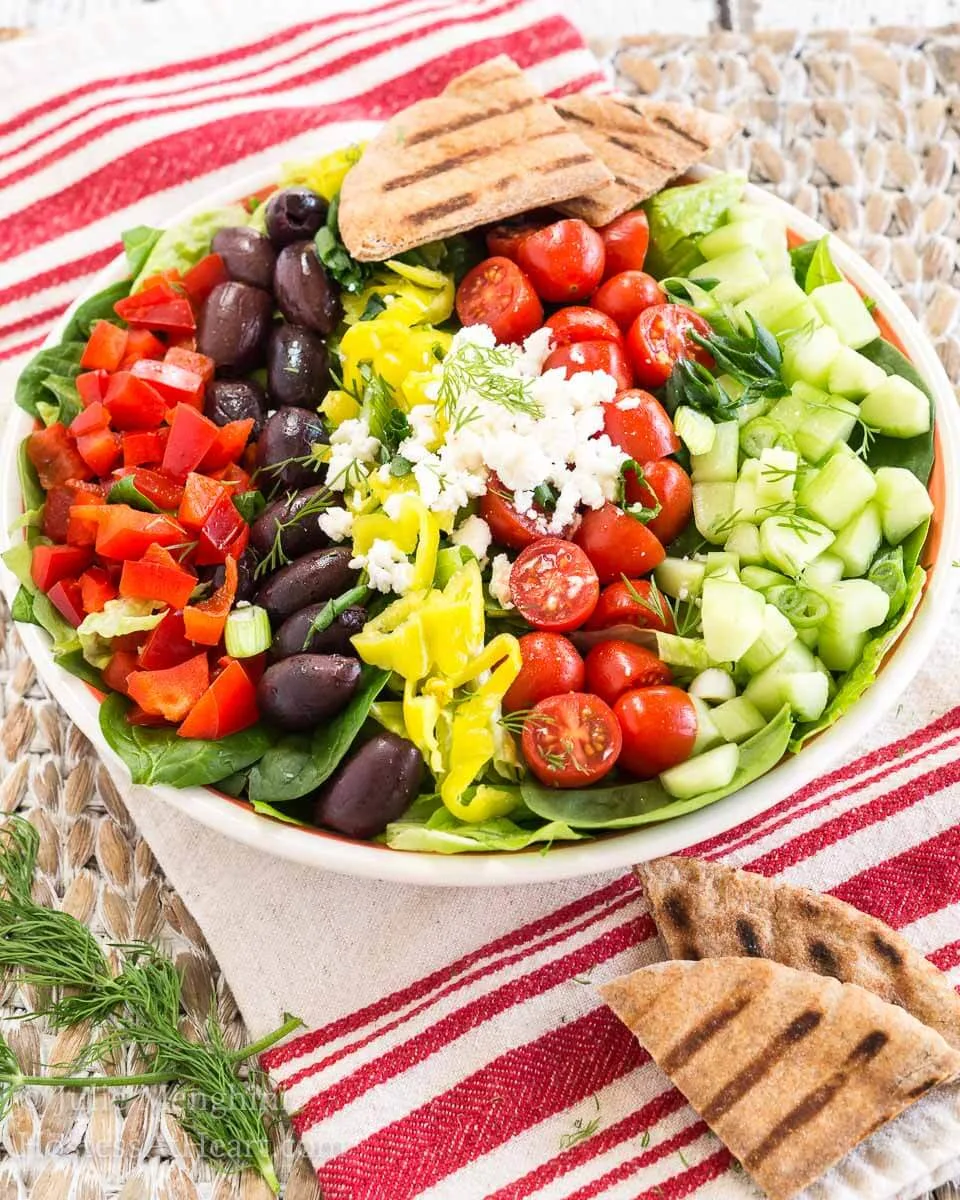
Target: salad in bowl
541, 530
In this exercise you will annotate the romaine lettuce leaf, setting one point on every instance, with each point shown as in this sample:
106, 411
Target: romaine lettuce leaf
679, 216
442, 833
118, 617
181, 246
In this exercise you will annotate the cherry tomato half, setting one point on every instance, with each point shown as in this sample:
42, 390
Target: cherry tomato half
592, 356
507, 526
565, 261
667, 482
554, 586
497, 293
617, 544
639, 424
581, 324
503, 238
551, 666
659, 336
571, 740
615, 667
625, 241
637, 602
624, 297
659, 727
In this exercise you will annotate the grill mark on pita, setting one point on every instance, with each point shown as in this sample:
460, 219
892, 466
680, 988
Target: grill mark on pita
885, 950
676, 910
468, 119
698, 1037
459, 160
444, 208
745, 1080
571, 160
687, 136
824, 960
868, 1048
747, 937
917, 1092
646, 153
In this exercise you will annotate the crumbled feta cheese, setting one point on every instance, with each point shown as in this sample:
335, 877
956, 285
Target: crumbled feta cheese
351, 445
475, 534
500, 581
336, 523
535, 350
393, 505
388, 568
626, 403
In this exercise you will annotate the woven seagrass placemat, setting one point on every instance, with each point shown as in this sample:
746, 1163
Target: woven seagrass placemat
858, 130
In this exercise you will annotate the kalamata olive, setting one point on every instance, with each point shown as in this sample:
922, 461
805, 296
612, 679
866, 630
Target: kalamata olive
283, 451
248, 256
372, 788
296, 537
295, 637
229, 400
298, 370
234, 323
303, 290
246, 578
294, 214
301, 691
319, 575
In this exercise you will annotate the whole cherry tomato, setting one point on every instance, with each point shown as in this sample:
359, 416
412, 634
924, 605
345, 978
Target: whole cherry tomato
564, 261
581, 324
661, 335
571, 740
554, 585
636, 602
551, 665
659, 727
592, 356
639, 424
624, 297
503, 238
508, 527
617, 544
497, 293
625, 240
668, 483
615, 667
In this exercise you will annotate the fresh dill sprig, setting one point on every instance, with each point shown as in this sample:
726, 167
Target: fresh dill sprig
683, 615
486, 371
277, 555
582, 1129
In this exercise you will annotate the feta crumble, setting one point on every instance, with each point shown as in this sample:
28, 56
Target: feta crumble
336, 523
475, 534
500, 581
388, 568
351, 445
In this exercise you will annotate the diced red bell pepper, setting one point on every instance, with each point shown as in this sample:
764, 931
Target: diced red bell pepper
231, 442
144, 446
50, 564
59, 501
254, 666
171, 692
234, 477
165, 493
55, 457
200, 364
133, 403
228, 705
157, 578
175, 384
219, 532
204, 621
119, 669
124, 532
191, 436
136, 716
95, 416
100, 450
167, 281
157, 307
141, 343
84, 522
96, 588
106, 347
167, 644
200, 494
202, 278
92, 386
67, 599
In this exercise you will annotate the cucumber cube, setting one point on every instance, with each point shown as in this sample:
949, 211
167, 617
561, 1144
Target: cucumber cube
852, 375
746, 499
904, 503
713, 686
761, 579
744, 541
719, 464
766, 690
856, 605
838, 491
790, 542
740, 273
859, 540
824, 570
732, 618
706, 773
738, 719
841, 650
841, 306
777, 477
793, 411
755, 233
806, 693
694, 429
776, 636
722, 564
781, 306
897, 408
708, 735
684, 652
680, 578
808, 355
826, 426
713, 509
756, 408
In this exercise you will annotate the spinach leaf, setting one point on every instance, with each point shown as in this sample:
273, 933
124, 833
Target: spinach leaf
67, 403
74, 662
268, 810
30, 486
916, 453
821, 268
137, 244
800, 259
346, 270
624, 805
160, 756
442, 833
125, 491
22, 607
250, 505
62, 360
300, 763
99, 307
374, 306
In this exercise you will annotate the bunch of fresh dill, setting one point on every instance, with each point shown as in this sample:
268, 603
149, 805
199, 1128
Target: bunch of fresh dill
223, 1104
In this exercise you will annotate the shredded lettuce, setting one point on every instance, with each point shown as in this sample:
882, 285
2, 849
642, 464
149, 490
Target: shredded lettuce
119, 617
181, 246
680, 216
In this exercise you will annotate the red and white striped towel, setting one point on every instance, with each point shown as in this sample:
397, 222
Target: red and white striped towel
457, 1049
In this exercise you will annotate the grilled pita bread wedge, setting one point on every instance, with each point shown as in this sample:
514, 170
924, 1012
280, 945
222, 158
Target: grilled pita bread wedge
706, 910
488, 147
645, 143
791, 1069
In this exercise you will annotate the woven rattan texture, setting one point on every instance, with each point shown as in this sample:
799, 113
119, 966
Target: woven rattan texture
860, 131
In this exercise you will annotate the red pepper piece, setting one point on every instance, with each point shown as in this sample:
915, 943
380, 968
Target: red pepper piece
234, 477
95, 416
50, 564
157, 576
133, 403
92, 386
200, 494
171, 692
55, 457
124, 532
167, 644
118, 670
191, 436
67, 599
190, 360
219, 532
106, 347
175, 384
100, 450
228, 705
59, 501
157, 307
202, 278
230, 444
165, 493
96, 588
204, 621
141, 343
144, 446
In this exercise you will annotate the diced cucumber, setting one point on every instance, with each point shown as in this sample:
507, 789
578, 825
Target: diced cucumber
721, 562
776, 636
841, 306
859, 540
761, 578
713, 509
778, 475
705, 773
719, 463
708, 735
806, 693
684, 652
746, 501
680, 578
694, 429
732, 618
763, 433
904, 503
746, 210
766, 689
824, 570
790, 542
750, 411
781, 306
744, 541
897, 408
826, 426
855, 605
733, 387
839, 490
852, 375
794, 410
740, 273
754, 233
738, 719
713, 686
841, 650
808, 355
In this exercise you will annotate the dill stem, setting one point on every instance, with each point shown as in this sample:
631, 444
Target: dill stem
268, 1040
97, 1081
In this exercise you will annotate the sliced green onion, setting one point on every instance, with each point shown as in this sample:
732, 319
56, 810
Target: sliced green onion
802, 607
762, 433
887, 573
247, 631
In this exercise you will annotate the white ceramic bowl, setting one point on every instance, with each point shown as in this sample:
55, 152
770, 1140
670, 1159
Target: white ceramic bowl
319, 849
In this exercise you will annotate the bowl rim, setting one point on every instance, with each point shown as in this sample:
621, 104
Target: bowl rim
319, 849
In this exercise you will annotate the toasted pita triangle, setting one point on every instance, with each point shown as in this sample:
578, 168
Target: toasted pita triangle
488, 147
645, 143
791, 1069
706, 910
